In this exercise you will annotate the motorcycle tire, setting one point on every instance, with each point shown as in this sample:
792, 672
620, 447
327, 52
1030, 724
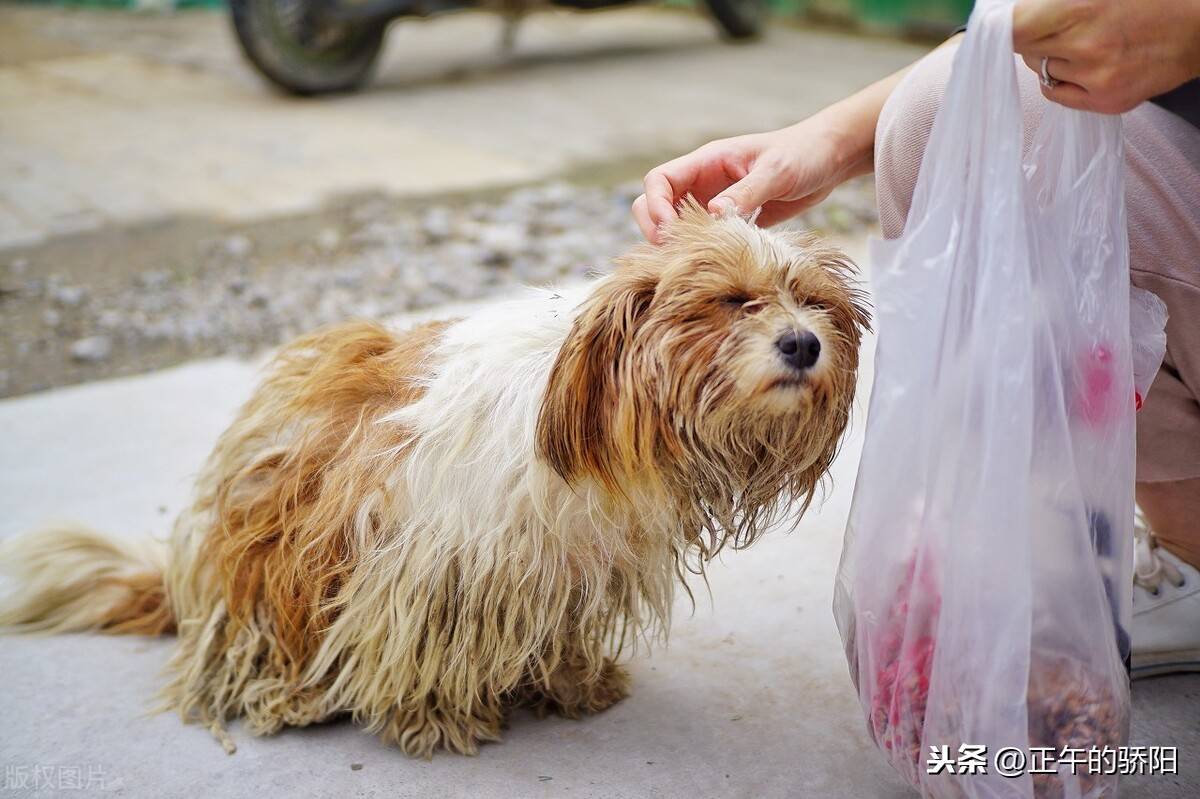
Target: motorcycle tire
738, 19
302, 56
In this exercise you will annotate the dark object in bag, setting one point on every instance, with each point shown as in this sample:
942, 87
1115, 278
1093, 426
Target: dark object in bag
1069, 708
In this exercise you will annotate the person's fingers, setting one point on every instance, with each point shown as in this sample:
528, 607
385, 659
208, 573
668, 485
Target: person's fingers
641, 215
667, 184
660, 197
1070, 95
758, 187
1058, 69
1079, 85
1034, 20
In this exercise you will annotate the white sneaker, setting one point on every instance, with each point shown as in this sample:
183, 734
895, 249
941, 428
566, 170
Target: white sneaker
1166, 610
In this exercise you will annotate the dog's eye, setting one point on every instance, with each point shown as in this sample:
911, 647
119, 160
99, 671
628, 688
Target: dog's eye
744, 303
817, 306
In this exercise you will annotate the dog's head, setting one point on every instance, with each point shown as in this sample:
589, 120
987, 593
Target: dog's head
718, 369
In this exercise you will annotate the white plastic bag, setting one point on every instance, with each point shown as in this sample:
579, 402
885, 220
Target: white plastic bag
985, 586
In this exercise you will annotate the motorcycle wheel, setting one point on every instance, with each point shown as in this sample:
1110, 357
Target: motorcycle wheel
738, 19
300, 52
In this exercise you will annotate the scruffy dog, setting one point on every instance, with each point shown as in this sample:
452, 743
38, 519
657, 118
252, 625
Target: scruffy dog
424, 529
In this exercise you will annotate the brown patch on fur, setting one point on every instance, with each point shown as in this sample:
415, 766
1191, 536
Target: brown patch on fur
285, 540
143, 611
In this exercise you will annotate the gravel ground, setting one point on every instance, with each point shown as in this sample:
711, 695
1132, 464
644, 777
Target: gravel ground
120, 302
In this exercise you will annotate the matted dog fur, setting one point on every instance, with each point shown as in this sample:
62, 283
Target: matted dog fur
424, 529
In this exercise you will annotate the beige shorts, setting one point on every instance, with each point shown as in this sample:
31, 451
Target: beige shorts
1162, 200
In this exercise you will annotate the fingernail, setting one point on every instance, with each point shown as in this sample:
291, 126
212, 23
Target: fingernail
725, 207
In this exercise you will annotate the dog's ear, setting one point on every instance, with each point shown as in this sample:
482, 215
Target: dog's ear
588, 419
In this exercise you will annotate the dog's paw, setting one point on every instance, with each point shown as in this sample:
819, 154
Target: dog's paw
419, 732
571, 694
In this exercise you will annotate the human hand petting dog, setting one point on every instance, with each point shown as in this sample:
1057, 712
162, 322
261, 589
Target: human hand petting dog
1102, 55
784, 171
1109, 55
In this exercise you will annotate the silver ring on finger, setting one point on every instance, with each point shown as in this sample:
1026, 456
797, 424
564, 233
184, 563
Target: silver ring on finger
1047, 80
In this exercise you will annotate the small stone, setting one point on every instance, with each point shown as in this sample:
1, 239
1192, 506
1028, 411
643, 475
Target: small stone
501, 242
328, 240
155, 331
461, 254
238, 285
110, 319
373, 234
356, 766
237, 246
154, 279
412, 281
557, 193
428, 297
438, 223
92, 349
69, 296
51, 318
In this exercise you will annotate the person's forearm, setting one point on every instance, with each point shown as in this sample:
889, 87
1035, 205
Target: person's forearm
852, 122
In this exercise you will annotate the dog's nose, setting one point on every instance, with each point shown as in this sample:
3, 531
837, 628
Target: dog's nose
799, 350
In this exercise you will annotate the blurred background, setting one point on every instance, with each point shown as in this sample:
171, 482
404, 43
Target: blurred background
187, 179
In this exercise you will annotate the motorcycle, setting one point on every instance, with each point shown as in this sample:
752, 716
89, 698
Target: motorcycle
313, 47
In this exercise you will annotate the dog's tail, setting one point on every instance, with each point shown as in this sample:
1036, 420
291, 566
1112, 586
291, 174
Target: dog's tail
68, 578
